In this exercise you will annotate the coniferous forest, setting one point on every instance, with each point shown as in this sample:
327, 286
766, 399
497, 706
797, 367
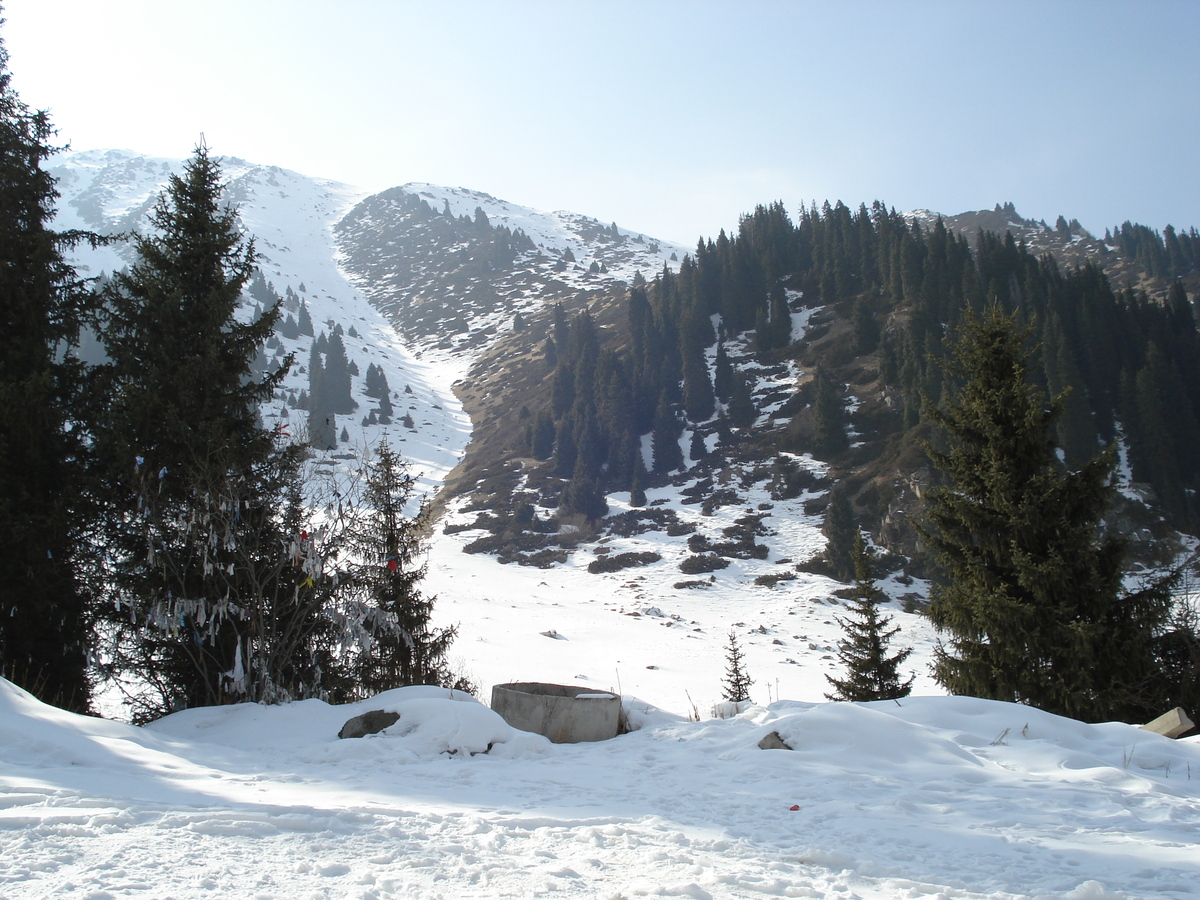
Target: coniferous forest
1126, 362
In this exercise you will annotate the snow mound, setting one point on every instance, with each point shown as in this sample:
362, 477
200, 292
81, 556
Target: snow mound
433, 722
927, 797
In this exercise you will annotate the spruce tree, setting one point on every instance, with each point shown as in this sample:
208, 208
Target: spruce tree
722, 374
736, 685
1029, 595
197, 486
742, 411
840, 531
637, 486
43, 600
829, 426
304, 324
399, 645
668, 455
871, 674
338, 376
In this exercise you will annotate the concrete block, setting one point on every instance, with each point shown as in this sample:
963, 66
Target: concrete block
1171, 724
564, 713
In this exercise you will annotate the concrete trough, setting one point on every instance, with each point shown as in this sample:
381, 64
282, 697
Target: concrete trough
566, 714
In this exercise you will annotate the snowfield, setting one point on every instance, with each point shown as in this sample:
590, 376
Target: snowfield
929, 797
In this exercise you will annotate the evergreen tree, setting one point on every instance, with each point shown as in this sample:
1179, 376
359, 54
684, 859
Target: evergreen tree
866, 329
829, 425
583, 495
338, 376
742, 411
399, 645
196, 484
871, 674
542, 443
637, 489
288, 327
736, 685
322, 431
43, 600
698, 398
1030, 592
722, 374
668, 455
316, 382
304, 323
840, 532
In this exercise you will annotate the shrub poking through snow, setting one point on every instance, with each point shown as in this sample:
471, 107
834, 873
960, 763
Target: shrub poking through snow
622, 561
705, 562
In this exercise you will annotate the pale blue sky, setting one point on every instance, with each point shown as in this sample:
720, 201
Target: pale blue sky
667, 117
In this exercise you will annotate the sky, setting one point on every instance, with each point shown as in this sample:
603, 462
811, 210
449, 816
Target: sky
670, 118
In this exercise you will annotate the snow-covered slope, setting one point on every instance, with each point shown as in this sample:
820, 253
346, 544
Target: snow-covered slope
931, 797
620, 251
290, 217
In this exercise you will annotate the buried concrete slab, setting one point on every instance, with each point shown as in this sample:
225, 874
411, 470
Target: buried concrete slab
1171, 724
567, 714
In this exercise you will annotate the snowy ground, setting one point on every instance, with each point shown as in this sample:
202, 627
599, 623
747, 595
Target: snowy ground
932, 797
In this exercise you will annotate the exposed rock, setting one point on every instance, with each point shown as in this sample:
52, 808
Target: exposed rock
368, 723
773, 742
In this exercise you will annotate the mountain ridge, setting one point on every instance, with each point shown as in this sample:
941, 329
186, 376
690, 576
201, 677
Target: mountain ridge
459, 273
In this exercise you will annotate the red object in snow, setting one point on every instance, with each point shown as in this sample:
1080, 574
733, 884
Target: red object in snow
793, 808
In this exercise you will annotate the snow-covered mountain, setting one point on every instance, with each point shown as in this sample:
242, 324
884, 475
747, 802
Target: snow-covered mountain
453, 268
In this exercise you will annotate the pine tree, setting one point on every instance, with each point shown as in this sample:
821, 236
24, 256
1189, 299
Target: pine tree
399, 645
742, 411
637, 487
43, 601
866, 329
722, 374
668, 455
1030, 594
583, 495
338, 376
196, 485
304, 323
829, 426
840, 531
736, 685
871, 674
